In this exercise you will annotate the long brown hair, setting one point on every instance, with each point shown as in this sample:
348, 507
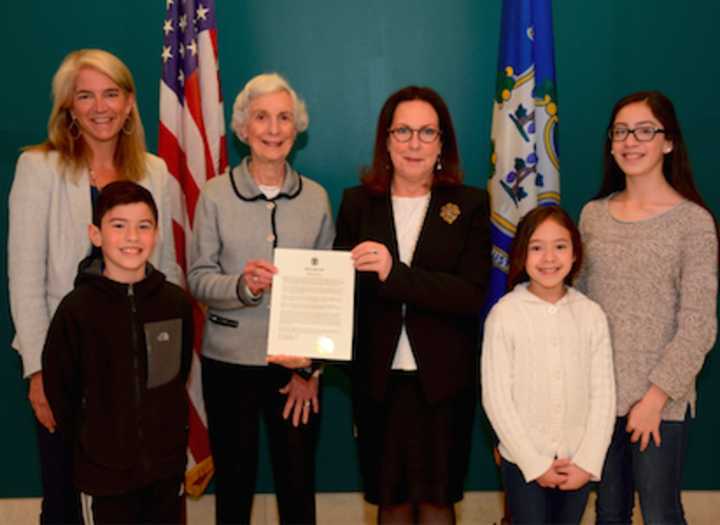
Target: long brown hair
527, 226
377, 177
676, 164
73, 150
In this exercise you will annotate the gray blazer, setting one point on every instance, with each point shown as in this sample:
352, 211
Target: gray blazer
235, 222
48, 236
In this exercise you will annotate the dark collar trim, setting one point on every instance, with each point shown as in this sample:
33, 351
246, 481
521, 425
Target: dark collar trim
261, 196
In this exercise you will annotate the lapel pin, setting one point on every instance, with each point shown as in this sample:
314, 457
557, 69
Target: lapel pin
450, 212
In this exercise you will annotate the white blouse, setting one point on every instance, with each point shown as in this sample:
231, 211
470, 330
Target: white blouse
409, 215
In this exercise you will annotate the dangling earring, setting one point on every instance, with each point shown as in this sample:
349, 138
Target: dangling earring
438, 165
125, 129
73, 128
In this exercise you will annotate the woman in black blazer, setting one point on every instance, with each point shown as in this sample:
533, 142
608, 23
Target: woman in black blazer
420, 240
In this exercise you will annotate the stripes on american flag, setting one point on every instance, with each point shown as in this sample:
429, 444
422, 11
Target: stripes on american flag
192, 142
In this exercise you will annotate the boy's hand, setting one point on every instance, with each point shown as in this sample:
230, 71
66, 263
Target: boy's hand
576, 477
302, 396
36, 395
552, 477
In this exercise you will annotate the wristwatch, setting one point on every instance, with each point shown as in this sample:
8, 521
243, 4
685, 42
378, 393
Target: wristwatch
314, 370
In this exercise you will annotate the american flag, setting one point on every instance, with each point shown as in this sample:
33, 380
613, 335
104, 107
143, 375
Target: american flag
192, 142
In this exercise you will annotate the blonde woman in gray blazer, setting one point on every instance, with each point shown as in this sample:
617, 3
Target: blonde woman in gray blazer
95, 136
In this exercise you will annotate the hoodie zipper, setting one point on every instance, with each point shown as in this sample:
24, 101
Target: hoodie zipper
136, 373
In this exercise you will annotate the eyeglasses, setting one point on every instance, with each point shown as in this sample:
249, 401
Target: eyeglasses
428, 135
641, 134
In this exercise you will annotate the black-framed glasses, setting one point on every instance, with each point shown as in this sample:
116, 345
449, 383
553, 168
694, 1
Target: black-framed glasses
641, 134
426, 134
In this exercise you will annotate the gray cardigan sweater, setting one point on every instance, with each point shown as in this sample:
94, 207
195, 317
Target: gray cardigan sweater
50, 211
657, 281
235, 222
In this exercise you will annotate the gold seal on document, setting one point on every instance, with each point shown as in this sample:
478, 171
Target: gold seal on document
450, 212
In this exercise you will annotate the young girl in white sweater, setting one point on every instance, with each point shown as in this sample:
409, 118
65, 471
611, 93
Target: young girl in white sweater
547, 375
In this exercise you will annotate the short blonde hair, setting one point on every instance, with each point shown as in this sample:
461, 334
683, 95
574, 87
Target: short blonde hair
130, 150
262, 85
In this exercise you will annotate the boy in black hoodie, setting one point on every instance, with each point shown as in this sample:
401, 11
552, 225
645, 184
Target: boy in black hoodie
115, 363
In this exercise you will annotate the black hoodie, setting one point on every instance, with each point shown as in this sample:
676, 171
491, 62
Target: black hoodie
115, 363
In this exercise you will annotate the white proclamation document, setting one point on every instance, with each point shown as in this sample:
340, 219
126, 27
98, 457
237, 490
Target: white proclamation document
311, 307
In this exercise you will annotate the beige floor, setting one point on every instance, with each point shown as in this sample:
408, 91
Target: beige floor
478, 508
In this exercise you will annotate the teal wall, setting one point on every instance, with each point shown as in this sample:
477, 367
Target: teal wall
345, 57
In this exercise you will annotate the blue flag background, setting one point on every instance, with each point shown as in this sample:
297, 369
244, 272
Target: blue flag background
524, 156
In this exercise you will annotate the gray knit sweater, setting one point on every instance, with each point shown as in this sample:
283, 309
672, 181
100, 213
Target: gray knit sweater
657, 281
235, 222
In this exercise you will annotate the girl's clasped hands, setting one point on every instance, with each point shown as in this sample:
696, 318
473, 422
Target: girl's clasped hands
563, 474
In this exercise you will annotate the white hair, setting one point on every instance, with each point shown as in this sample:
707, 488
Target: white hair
262, 85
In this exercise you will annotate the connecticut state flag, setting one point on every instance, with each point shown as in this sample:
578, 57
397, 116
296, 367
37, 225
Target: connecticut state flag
524, 155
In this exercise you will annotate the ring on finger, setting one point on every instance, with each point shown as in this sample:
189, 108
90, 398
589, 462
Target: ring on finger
307, 404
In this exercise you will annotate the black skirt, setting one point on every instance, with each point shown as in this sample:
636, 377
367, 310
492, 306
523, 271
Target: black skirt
412, 451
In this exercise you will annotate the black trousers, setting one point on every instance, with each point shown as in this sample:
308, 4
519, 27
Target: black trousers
235, 396
61, 501
158, 503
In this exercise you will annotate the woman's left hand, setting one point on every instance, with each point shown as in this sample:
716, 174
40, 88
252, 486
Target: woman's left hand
645, 416
302, 397
289, 361
371, 256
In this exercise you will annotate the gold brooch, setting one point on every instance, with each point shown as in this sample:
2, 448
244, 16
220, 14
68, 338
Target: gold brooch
450, 212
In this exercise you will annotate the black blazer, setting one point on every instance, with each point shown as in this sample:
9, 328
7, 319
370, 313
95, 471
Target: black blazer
443, 289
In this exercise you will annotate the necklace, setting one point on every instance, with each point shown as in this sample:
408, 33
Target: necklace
101, 179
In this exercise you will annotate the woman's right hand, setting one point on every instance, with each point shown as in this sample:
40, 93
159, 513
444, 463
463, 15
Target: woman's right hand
258, 274
371, 256
645, 416
36, 395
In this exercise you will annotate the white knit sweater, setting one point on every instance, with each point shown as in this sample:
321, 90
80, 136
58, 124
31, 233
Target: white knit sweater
547, 381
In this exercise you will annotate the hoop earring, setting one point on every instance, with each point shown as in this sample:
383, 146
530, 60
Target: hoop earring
438, 165
132, 127
75, 135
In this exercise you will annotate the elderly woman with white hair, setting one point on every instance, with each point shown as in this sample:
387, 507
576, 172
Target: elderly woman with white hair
263, 203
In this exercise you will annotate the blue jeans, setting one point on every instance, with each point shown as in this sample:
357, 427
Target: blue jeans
532, 504
655, 473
